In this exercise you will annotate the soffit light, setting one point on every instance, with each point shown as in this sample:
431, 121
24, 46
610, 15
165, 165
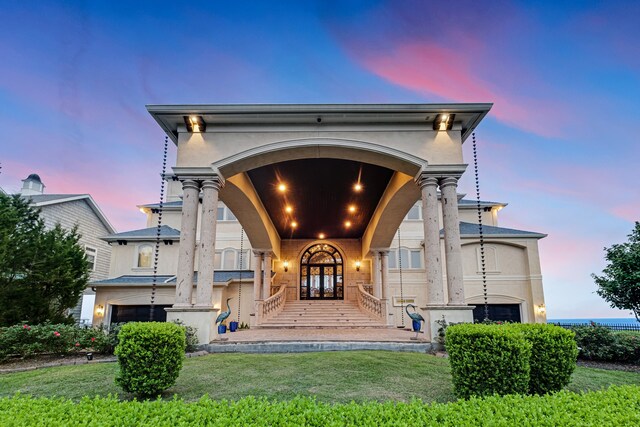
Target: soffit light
282, 188
195, 124
443, 122
321, 236
347, 224
357, 187
352, 208
294, 224
288, 209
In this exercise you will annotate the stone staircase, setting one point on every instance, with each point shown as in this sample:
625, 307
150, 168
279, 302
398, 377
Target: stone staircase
321, 314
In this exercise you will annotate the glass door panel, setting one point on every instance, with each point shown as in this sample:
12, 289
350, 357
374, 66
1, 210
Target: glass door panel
328, 285
315, 282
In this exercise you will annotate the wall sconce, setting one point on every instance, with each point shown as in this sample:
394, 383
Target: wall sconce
286, 266
443, 122
195, 123
358, 265
541, 309
100, 310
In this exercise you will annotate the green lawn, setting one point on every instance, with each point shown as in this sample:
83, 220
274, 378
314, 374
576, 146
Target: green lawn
330, 376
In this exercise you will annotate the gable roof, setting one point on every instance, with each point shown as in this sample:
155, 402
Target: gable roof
166, 233
40, 200
468, 229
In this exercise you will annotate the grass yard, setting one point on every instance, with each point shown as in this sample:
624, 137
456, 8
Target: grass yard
329, 376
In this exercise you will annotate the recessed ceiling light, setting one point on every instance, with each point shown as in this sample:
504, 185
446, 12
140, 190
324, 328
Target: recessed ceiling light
282, 188
357, 187
288, 209
352, 208
347, 224
294, 224
321, 236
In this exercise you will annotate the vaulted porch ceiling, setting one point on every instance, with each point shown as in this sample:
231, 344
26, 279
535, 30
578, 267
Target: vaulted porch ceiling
322, 195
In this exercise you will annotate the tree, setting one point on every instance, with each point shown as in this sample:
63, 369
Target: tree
620, 281
42, 271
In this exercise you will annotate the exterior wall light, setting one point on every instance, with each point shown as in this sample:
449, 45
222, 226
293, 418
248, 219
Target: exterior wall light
443, 122
100, 310
286, 266
358, 265
195, 123
541, 309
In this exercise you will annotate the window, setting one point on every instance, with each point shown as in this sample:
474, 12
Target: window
145, 252
411, 258
229, 259
224, 214
91, 255
415, 212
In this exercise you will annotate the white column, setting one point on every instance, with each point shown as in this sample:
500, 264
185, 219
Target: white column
257, 279
452, 248
266, 281
384, 265
204, 291
432, 261
186, 253
375, 274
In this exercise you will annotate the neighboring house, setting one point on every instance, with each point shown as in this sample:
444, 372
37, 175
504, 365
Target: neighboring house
330, 200
71, 210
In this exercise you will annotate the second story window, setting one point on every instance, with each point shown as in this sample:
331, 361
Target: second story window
411, 258
145, 253
415, 212
92, 256
225, 214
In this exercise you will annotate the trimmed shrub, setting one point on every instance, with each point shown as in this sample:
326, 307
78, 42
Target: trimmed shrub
616, 406
488, 359
627, 347
595, 342
150, 355
553, 356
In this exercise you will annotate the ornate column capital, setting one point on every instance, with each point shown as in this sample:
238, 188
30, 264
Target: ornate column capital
190, 184
215, 182
426, 180
448, 181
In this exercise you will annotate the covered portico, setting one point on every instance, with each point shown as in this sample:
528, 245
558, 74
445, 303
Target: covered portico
320, 191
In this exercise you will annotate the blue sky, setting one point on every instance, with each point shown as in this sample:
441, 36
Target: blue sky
560, 145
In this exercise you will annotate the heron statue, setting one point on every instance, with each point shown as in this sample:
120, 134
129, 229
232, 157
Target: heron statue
415, 316
223, 316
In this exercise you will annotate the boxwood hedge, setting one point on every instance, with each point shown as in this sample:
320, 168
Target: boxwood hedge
617, 406
488, 359
553, 356
150, 356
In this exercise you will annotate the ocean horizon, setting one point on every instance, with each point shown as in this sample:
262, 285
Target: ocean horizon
600, 320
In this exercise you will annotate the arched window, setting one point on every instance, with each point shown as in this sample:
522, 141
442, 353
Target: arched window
321, 273
145, 253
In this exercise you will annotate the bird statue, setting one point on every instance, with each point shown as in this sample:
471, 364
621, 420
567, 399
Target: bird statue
416, 317
223, 316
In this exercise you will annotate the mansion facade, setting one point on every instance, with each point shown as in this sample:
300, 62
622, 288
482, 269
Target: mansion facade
320, 216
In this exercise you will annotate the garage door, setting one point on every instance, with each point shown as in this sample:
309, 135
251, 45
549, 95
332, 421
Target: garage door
498, 312
137, 313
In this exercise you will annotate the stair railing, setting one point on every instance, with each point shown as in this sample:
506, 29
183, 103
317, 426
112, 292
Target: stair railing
274, 304
372, 305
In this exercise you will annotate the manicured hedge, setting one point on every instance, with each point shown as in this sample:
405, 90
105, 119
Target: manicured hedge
488, 359
602, 344
150, 356
553, 356
617, 406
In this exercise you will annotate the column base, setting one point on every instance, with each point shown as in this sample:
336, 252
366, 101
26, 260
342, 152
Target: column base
201, 318
450, 313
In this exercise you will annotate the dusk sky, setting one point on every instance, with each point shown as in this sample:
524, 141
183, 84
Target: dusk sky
560, 144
